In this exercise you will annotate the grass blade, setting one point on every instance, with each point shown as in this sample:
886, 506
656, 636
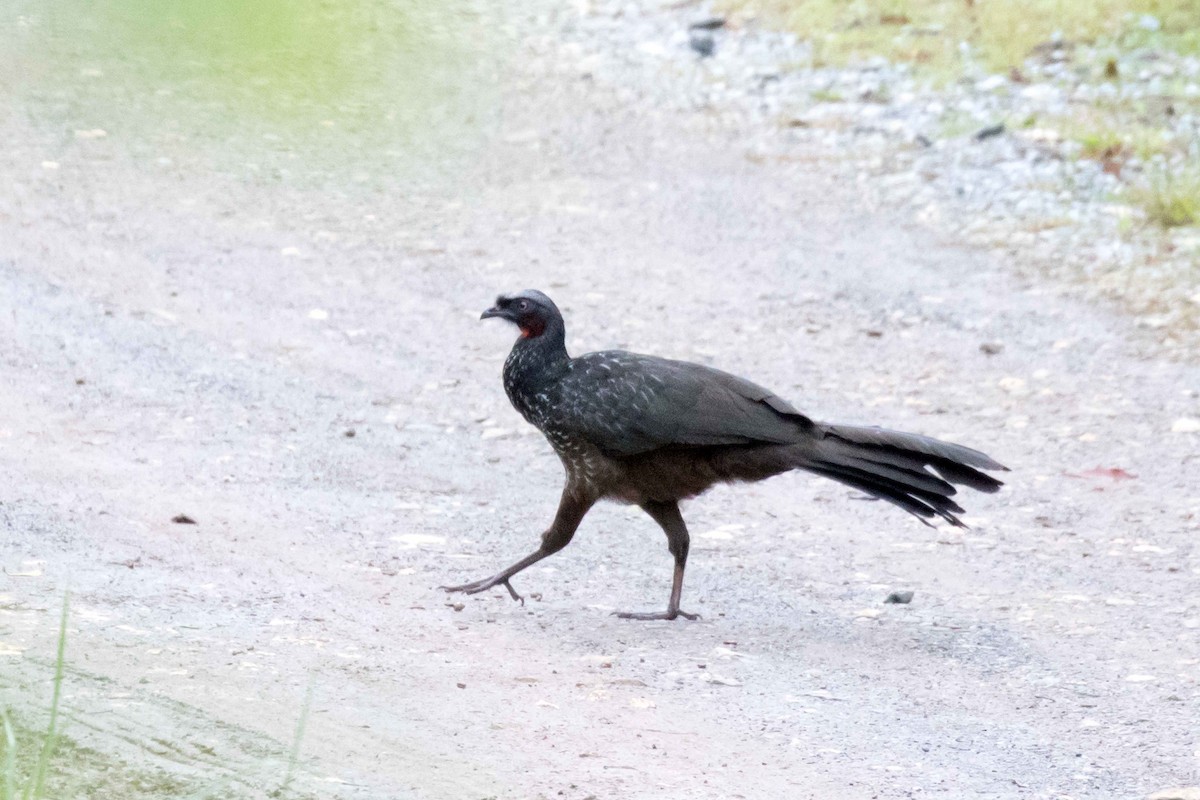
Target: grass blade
38, 785
297, 738
10, 758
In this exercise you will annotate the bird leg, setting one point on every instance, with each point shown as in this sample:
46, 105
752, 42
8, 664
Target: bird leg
672, 611
570, 513
500, 578
668, 517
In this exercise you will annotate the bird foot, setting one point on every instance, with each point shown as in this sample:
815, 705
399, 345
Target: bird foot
479, 586
669, 614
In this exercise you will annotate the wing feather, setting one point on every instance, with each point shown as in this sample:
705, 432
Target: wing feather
626, 404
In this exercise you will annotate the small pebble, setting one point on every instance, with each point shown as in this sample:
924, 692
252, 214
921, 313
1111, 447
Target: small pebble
903, 598
702, 42
989, 132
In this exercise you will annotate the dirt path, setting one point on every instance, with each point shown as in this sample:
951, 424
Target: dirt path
204, 343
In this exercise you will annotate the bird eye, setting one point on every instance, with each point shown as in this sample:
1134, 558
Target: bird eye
523, 305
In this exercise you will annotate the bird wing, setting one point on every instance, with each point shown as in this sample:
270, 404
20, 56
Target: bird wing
627, 404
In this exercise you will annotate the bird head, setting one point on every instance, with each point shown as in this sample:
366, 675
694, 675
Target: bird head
530, 310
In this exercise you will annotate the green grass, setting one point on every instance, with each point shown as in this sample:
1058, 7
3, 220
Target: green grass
1115, 134
1146, 142
297, 739
1100, 143
1170, 199
33, 785
37, 762
948, 39
1001, 34
10, 756
81, 772
828, 96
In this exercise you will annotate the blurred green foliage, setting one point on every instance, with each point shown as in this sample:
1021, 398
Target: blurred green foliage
307, 74
291, 46
286, 54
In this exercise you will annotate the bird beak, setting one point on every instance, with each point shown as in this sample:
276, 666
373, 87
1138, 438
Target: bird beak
492, 312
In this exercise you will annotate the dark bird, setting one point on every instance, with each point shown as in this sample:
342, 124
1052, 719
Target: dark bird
651, 431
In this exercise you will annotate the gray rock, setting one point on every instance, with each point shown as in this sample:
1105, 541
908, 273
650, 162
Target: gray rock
702, 42
989, 132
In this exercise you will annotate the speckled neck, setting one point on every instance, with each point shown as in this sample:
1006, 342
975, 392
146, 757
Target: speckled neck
535, 362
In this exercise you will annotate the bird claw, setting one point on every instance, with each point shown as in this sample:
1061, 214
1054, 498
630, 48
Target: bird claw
513, 592
669, 614
475, 587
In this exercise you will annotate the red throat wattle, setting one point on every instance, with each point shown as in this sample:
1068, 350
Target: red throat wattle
531, 328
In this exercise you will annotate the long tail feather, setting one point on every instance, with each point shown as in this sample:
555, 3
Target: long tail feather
914, 472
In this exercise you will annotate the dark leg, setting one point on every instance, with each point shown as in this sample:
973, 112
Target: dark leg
667, 515
570, 513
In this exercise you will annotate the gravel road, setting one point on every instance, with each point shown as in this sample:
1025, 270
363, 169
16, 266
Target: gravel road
297, 365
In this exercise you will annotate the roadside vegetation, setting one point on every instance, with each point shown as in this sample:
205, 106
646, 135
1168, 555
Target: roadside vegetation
38, 762
1171, 199
1103, 43
944, 37
30, 783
